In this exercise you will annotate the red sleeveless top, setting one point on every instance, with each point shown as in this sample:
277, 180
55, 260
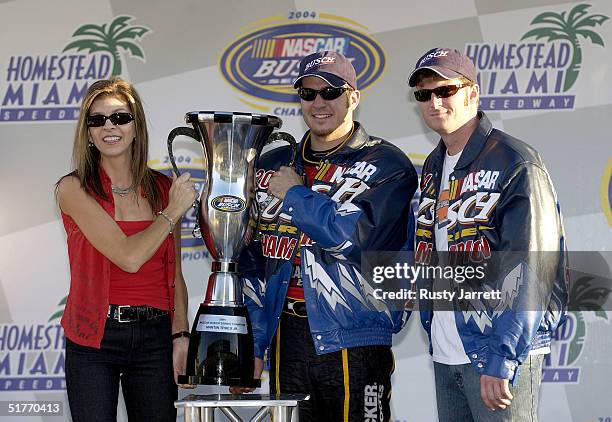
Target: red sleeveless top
147, 286
90, 273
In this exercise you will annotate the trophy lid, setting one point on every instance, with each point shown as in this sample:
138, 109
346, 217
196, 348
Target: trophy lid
229, 116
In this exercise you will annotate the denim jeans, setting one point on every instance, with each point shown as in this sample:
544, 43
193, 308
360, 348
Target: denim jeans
458, 394
136, 354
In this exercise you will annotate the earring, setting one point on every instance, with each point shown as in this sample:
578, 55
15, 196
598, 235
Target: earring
89, 143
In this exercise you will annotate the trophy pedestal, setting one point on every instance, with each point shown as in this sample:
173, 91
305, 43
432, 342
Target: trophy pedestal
281, 407
221, 348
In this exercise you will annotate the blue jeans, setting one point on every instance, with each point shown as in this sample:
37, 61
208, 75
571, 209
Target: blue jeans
458, 394
137, 354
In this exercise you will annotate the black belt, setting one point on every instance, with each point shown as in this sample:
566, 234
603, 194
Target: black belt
295, 307
127, 313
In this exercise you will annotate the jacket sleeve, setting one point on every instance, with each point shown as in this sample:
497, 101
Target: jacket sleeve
252, 268
375, 219
531, 252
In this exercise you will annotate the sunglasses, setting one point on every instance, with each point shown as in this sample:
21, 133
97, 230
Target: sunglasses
328, 94
444, 91
121, 118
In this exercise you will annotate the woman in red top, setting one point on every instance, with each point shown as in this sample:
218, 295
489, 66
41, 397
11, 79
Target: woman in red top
126, 314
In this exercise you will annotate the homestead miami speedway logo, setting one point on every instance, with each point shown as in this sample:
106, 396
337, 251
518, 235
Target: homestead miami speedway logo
32, 354
539, 71
263, 63
50, 87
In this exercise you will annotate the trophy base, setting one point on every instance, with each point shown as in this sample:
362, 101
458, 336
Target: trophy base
221, 348
230, 382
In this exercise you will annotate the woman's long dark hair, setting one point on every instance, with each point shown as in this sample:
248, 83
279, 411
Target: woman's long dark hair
86, 158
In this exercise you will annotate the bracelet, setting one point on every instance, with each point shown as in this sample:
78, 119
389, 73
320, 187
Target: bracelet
181, 334
168, 219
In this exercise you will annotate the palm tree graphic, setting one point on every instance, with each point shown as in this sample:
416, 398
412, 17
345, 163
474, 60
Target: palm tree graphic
60, 312
562, 28
588, 294
120, 35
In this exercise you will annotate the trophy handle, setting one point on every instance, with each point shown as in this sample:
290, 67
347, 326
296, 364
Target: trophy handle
276, 137
189, 132
179, 131
284, 136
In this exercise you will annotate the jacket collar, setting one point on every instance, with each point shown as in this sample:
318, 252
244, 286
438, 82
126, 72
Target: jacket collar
357, 140
475, 144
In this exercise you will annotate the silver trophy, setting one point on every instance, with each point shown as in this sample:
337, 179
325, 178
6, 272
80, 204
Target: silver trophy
221, 343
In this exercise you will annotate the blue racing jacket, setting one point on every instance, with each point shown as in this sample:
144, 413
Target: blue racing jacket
359, 202
501, 202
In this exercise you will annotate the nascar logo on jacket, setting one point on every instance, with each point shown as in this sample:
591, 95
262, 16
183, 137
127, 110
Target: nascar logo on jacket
472, 201
264, 62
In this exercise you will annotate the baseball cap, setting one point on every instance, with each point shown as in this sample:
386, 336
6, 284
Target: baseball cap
446, 62
332, 67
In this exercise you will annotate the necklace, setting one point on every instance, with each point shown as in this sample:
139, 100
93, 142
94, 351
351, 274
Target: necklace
122, 191
322, 154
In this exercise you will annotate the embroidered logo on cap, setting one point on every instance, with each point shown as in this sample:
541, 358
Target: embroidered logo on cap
442, 53
320, 62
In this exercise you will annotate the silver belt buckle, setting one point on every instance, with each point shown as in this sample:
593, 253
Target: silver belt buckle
119, 313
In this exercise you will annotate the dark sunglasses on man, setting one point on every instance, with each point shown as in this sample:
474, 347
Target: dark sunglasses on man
445, 91
121, 118
329, 93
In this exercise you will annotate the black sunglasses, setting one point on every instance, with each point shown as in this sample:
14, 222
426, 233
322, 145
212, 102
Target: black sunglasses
328, 94
444, 91
121, 118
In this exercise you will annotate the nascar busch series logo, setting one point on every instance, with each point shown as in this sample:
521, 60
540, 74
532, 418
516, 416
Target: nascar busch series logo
192, 248
533, 74
228, 203
51, 87
32, 356
264, 63
606, 192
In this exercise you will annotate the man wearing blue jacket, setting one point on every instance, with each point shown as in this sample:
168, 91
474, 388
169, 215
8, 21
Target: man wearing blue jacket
328, 333
487, 196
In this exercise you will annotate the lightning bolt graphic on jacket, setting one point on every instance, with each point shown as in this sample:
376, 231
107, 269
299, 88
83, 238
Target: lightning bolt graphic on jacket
479, 315
509, 290
348, 283
337, 251
249, 290
322, 283
347, 209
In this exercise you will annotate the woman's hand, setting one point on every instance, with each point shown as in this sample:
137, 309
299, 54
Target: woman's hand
181, 196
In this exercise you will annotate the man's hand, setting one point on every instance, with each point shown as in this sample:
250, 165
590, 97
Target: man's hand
495, 392
256, 374
282, 180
